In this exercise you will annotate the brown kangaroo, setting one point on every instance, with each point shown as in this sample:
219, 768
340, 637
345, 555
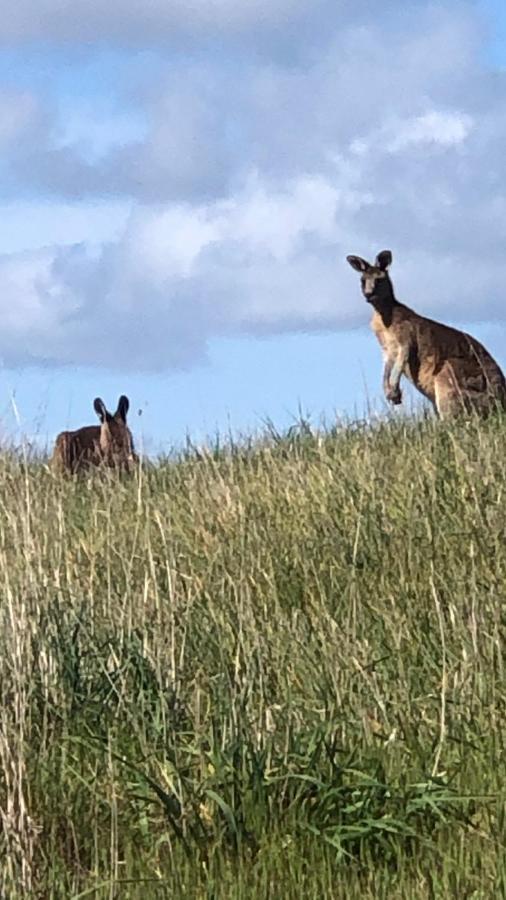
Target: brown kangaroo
449, 367
109, 444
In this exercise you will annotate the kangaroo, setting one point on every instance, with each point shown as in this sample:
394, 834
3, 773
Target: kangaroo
449, 367
109, 444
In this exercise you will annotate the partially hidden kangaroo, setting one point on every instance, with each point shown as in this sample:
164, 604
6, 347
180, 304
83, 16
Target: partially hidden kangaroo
449, 367
109, 444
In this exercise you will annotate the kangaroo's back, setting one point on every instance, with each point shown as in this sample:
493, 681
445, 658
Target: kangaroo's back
455, 364
77, 449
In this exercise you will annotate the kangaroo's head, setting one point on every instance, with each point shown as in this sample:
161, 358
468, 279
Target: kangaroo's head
375, 281
116, 442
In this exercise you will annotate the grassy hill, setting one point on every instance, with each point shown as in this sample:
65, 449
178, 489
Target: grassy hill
261, 671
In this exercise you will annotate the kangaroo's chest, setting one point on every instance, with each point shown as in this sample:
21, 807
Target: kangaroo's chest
387, 336
400, 340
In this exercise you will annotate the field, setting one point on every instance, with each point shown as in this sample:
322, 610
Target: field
272, 669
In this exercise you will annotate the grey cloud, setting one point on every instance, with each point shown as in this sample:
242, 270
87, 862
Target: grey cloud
133, 23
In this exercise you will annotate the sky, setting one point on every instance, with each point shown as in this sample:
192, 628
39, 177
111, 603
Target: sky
181, 182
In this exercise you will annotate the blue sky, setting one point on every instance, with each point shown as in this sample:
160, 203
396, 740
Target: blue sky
179, 187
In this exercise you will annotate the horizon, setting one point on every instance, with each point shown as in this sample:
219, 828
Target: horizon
180, 191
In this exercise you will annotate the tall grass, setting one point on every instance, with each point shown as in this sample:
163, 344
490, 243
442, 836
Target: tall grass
273, 670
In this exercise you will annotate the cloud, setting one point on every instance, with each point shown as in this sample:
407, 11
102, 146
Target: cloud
266, 261
436, 128
179, 275
133, 22
250, 181
202, 122
19, 115
27, 223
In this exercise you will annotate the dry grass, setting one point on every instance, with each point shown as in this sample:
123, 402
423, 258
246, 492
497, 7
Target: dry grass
267, 670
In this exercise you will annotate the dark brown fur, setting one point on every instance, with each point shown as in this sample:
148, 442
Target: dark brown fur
109, 444
449, 367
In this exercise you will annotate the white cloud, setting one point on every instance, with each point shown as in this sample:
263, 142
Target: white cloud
163, 244
252, 263
445, 129
265, 261
273, 223
249, 182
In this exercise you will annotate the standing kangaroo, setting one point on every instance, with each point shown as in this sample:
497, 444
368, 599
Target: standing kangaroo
449, 367
109, 444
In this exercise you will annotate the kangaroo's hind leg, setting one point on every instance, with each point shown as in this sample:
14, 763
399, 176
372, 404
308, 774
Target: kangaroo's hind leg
449, 399
469, 396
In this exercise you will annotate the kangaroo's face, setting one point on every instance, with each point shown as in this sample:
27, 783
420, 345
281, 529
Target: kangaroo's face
116, 443
375, 282
115, 439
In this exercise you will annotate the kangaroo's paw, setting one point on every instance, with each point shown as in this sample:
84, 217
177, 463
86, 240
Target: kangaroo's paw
394, 396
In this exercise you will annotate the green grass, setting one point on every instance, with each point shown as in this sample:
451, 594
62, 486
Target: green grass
258, 671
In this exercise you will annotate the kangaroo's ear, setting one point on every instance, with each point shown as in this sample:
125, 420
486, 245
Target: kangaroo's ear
99, 407
357, 263
384, 259
123, 407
